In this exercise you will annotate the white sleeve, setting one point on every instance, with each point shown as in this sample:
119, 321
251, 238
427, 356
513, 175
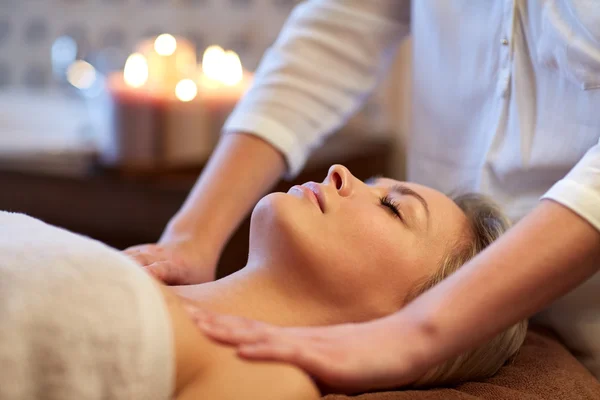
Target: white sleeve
580, 189
327, 59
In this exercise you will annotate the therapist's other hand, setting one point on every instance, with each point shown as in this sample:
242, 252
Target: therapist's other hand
348, 358
175, 262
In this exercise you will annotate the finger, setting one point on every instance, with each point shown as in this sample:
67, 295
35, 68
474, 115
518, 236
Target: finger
316, 335
235, 322
235, 331
238, 330
142, 258
141, 249
159, 270
197, 314
312, 333
133, 249
166, 271
271, 351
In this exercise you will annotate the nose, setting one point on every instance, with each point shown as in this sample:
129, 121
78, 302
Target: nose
341, 179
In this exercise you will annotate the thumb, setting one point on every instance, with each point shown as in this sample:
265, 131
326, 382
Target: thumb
163, 271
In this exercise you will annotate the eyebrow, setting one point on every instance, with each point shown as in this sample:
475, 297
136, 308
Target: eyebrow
402, 190
406, 191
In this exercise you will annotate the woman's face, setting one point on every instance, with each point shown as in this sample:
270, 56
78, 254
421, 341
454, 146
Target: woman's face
363, 245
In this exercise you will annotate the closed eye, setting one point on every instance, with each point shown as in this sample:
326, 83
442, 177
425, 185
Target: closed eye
386, 201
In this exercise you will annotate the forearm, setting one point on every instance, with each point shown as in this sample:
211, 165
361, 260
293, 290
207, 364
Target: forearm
547, 254
242, 168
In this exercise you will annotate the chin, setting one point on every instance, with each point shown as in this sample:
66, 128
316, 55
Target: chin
270, 209
284, 225
284, 211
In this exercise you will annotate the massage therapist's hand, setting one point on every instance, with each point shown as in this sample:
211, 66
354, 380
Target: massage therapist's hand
176, 261
347, 358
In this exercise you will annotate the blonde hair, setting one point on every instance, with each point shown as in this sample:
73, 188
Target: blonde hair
486, 223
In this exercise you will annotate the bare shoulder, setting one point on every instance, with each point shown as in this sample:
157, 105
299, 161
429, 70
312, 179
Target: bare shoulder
191, 349
208, 370
238, 379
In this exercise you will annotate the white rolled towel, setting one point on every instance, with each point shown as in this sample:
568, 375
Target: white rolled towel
78, 320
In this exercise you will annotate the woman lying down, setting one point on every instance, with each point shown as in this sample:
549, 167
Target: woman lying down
80, 320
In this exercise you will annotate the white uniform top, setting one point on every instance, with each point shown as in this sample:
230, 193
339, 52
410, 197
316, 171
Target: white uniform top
506, 99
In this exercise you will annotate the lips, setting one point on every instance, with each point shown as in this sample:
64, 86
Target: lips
312, 191
318, 194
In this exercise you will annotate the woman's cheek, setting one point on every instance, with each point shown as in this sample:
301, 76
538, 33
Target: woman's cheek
378, 239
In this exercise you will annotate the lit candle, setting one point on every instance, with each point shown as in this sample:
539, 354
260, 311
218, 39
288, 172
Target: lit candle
167, 109
157, 68
222, 79
158, 119
170, 59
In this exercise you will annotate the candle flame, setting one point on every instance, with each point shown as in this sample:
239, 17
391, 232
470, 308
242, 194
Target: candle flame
222, 66
211, 62
135, 73
232, 69
81, 74
165, 45
186, 90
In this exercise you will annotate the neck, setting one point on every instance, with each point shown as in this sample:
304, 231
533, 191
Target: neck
264, 293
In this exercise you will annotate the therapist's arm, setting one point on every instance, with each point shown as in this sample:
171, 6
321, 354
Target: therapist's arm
549, 253
326, 61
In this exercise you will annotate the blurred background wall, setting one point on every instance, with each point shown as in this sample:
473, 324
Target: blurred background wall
106, 31
28, 29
